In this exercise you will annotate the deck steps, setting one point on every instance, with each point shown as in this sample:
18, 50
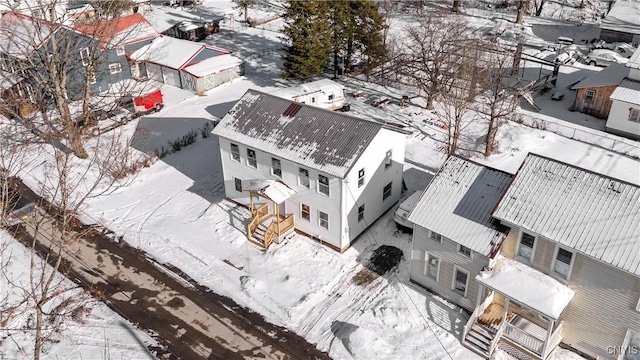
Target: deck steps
479, 339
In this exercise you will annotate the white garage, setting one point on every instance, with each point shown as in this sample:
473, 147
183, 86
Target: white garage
187, 64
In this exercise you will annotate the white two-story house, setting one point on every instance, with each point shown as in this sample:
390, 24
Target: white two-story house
624, 115
549, 255
326, 174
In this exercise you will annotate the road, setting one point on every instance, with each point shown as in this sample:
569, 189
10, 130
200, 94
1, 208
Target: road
190, 321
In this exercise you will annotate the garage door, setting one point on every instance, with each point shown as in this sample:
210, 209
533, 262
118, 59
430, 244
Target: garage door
154, 72
171, 77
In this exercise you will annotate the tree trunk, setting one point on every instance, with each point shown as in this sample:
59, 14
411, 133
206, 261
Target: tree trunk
456, 6
246, 12
522, 7
37, 346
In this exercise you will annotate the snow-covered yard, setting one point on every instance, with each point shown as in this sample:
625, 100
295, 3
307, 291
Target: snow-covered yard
176, 212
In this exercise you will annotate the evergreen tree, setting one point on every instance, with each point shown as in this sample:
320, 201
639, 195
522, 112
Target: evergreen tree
308, 34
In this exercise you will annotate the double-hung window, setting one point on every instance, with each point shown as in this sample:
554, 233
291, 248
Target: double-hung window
432, 267
85, 56
386, 192
305, 212
235, 152
276, 167
460, 281
562, 262
360, 177
525, 248
435, 237
303, 177
323, 220
361, 212
238, 184
634, 115
252, 160
323, 184
115, 68
464, 250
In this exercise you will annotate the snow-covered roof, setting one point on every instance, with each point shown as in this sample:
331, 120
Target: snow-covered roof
307, 88
7, 80
213, 65
634, 60
611, 75
274, 190
173, 53
527, 286
589, 212
328, 141
628, 91
20, 35
120, 31
624, 16
80, 9
458, 203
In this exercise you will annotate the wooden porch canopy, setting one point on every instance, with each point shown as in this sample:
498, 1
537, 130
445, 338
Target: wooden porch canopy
274, 190
527, 286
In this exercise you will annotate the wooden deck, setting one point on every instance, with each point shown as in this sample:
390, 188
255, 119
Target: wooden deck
492, 315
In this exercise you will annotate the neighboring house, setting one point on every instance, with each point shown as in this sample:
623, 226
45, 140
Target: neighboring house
325, 173
594, 92
568, 270
188, 65
622, 23
121, 37
322, 93
613, 94
50, 10
80, 14
194, 30
624, 116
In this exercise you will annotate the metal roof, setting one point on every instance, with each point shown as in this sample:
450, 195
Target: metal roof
611, 75
624, 16
324, 140
634, 60
458, 203
628, 91
589, 212
174, 53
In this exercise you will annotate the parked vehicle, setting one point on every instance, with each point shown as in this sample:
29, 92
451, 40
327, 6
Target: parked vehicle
624, 49
403, 211
151, 101
19, 209
604, 57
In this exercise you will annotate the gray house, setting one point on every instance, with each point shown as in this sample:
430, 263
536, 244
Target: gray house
548, 256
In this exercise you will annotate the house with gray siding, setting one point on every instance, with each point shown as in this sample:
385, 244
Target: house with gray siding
323, 173
563, 265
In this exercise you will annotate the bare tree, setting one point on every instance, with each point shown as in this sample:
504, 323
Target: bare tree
245, 5
65, 72
497, 99
427, 59
523, 7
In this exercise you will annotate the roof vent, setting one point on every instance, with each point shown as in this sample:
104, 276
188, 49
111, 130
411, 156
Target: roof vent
292, 110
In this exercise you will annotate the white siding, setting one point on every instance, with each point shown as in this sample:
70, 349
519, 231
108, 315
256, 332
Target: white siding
376, 177
317, 201
619, 118
449, 258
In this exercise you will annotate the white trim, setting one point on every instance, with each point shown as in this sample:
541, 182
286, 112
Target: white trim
638, 306
273, 168
308, 177
553, 271
239, 159
320, 219
120, 50
254, 158
533, 250
456, 268
115, 68
470, 256
426, 266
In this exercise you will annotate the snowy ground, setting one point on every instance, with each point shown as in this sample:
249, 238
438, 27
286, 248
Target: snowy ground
98, 334
175, 210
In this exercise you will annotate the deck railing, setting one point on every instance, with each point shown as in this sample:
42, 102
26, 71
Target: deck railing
270, 234
258, 215
524, 339
496, 338
476, 314
277, 228
286, 224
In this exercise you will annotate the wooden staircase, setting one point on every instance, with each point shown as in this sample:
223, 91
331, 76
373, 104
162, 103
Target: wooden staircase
258, 233
479, 338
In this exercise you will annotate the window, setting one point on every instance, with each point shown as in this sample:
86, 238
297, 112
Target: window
432, 267
460, 281
84, 55
235, 152
305, 212
36, 13
464, 250
387, 160
323, 220
562, 262
120, 50
313, 100
238, 184
303, 177
323, 184
331, 97
436, 237
590, 96
525, 248
360, 177
386, 192
276, 168
251, 158
115, 68
634, 114
361, 212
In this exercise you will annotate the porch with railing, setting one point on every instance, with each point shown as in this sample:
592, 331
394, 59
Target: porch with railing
265, 227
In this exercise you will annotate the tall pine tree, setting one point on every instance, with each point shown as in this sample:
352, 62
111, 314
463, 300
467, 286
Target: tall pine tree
308, 34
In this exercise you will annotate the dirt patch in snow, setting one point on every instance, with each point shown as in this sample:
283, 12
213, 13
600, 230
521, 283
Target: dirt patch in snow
364, 277
384, 259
